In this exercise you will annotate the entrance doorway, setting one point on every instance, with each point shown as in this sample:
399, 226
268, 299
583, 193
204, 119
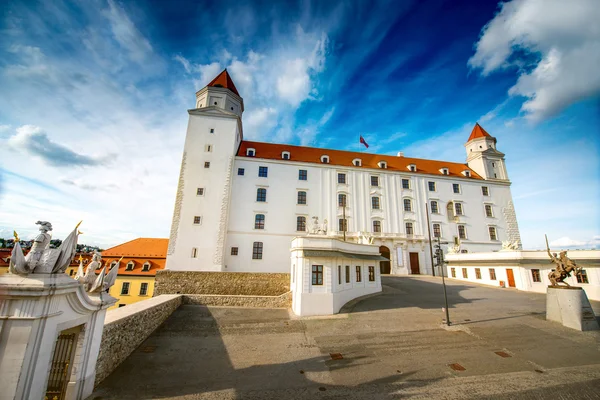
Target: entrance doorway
60, 369
414, 263
385, 267
511, 277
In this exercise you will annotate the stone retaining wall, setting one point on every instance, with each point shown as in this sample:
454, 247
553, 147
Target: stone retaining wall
283, 301
127, 327
222, 283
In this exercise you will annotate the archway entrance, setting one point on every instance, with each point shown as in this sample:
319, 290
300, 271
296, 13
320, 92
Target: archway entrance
385, 266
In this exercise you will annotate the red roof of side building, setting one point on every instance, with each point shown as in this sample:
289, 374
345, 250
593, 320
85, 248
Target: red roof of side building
224, 80
478, 132
150, 251
344, 158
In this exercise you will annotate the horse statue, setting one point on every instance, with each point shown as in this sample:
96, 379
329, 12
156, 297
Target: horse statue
564, 267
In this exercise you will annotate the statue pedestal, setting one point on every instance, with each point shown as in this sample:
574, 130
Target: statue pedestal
571, 307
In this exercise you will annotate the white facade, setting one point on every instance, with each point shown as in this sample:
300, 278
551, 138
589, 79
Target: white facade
524, 270
218, 230
328, 273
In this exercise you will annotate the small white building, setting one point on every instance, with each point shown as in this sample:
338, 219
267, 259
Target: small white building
328, 273
239, 203
524, 270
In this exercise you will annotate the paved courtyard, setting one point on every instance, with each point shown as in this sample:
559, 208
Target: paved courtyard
388, 346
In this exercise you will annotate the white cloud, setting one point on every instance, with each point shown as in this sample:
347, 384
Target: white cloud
4, 128
260, 120
566, 38
126, 33
567, 242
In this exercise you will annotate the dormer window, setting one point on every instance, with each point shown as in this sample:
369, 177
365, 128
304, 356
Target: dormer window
444, 171
285, 155
112, 264
146, 266
325, 159
412, 167
357, 162
382, 164
250, 152
129, 266
466, 173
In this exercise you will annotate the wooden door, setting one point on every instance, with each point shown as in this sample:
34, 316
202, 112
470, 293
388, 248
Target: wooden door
511, 277
385, 267
414, 263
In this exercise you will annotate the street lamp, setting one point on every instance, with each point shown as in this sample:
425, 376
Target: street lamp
439, 256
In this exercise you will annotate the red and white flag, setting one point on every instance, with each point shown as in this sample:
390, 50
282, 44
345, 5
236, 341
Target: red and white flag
363, 141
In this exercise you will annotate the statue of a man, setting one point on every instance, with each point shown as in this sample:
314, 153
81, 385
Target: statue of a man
40, 243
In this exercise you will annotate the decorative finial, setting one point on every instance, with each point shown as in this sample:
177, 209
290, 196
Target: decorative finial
78, 224
16, 235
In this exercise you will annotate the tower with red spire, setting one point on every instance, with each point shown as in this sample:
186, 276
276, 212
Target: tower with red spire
483, 157
214, 133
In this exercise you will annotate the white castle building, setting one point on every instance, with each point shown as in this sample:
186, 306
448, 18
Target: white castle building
239, 204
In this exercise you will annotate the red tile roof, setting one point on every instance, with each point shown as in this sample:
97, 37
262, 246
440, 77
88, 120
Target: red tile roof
344, 158
141, 247
478, 132
224, 80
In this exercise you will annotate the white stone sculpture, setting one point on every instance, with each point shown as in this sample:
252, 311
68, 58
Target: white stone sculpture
365, 238
104, 281
509, 245
316, 228
455, 249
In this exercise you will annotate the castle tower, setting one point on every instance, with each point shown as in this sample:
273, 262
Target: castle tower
214, 133
482, 156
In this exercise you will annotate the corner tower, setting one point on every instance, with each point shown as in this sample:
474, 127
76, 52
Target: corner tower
482, 156
214, 133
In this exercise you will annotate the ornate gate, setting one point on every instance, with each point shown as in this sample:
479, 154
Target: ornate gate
59, 370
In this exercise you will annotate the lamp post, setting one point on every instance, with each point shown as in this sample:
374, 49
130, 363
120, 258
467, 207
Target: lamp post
440, 262
429, 231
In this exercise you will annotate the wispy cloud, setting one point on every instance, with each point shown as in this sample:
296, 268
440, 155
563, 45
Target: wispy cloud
126, 33
32, 140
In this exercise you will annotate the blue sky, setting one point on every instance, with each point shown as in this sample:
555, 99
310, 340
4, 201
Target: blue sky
95, 93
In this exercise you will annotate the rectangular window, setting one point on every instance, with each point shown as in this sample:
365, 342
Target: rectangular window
358, 274
464, 272
261, 194
200, 192
535, 275
342, 200
212, 130
371, 274
407, 205
234, 251
197, 220
437, 231
488, 211
374, 181
462, 232
206, 164
129, 266
342, 225
301, 197
377, 226
347, 274
317, 275
125, 288
263, 172
582, 277
453, 272
375, 203
492, 274
485, 191
302, 174
194, 252
342, 178
477, 273
241, 171
409, 228
458, 209
339, 274
208, 148
301, 224
257, 251
456, 188
259, 221
144, 289
492, 230
434, 207
431, 186
405, 184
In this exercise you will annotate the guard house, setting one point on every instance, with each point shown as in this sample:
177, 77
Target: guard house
327, 273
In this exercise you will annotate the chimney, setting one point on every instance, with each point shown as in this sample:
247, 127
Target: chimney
400, 154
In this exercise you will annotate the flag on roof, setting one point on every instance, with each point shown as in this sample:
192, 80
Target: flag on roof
363, 141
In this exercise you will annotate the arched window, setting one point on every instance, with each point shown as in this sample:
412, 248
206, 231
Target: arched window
437, 230
342, 200
407, 205
301, 224
261, 194
450, 211
301, 197
250, 152
357, 162
285, 155
129, 266
409, 228
146, 266
325, 159
259, 221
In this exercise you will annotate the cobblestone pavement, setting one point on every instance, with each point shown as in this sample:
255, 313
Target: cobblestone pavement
388, 346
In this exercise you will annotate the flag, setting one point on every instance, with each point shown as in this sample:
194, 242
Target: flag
362, 140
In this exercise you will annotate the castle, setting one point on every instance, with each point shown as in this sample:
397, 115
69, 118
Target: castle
239, 203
